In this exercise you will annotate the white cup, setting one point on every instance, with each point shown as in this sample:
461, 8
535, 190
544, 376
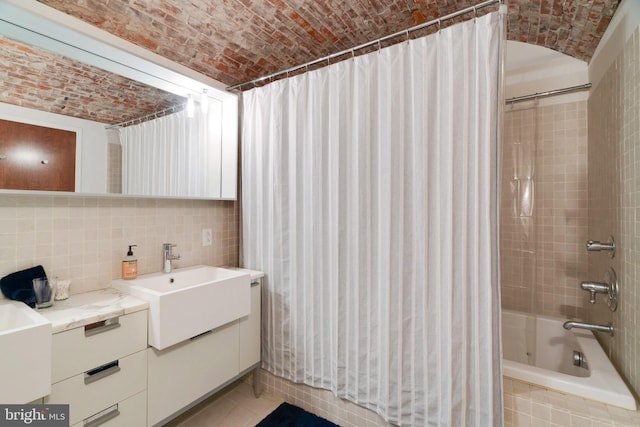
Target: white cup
62, 290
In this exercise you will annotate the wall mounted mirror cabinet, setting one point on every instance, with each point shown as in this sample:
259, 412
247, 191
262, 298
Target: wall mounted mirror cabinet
83, 111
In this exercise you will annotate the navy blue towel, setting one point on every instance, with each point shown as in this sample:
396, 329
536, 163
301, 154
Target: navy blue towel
19, 286
287, 415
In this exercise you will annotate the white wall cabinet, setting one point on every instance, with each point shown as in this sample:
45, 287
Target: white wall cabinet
100, 370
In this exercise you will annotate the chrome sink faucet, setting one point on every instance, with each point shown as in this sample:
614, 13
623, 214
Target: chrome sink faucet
168, 256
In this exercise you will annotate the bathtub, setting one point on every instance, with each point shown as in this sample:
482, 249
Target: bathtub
540, 351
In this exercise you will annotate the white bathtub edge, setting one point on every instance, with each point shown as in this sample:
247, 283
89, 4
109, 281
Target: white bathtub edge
620, 397
604, 384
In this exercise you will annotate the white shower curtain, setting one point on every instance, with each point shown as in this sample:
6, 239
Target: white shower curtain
370, 201
172, 155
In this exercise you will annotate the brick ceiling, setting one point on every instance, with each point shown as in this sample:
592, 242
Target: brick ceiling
234, 41
35, 78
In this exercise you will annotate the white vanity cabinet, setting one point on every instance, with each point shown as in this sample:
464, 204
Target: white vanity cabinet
100, 370
250, 329
187, 373
183, 373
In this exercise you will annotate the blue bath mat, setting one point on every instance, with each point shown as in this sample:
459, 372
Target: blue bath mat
287, 415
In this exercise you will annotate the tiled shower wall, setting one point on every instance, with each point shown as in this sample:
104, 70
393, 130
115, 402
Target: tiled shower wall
614, 202
85, 238
613, 208
114, 168
544, 209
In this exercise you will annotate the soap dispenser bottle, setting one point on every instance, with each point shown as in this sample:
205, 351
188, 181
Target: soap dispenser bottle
130, 265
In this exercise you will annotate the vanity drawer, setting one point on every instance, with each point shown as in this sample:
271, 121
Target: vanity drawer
84, 348
129, 412
91, 392
187, 371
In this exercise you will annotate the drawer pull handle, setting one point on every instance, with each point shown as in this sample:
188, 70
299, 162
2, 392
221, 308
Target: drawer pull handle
101, 326
101, 372
255, 283
102, 416
200, 335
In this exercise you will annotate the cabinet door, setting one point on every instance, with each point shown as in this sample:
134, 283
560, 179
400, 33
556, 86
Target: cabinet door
36, 157
181, 374
250, 330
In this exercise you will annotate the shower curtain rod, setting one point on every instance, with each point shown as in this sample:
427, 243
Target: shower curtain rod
155, 114
352, 50
548, 93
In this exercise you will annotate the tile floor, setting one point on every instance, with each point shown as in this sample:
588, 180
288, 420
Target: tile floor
234, 406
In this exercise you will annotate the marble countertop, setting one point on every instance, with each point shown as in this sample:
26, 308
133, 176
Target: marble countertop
83, 309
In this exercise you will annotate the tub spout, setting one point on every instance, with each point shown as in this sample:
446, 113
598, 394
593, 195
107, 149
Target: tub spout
589, 326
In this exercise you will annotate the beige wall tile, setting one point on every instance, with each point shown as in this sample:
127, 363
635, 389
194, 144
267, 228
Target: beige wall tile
85, 238
550, 408
614, 202
572, 206
543, 232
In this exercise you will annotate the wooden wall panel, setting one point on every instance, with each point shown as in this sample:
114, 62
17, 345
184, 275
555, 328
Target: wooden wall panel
36, 157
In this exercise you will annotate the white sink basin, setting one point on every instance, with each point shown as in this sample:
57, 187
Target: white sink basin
190, 301
25, 362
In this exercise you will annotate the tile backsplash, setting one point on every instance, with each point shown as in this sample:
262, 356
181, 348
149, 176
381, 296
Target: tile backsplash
85, 238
